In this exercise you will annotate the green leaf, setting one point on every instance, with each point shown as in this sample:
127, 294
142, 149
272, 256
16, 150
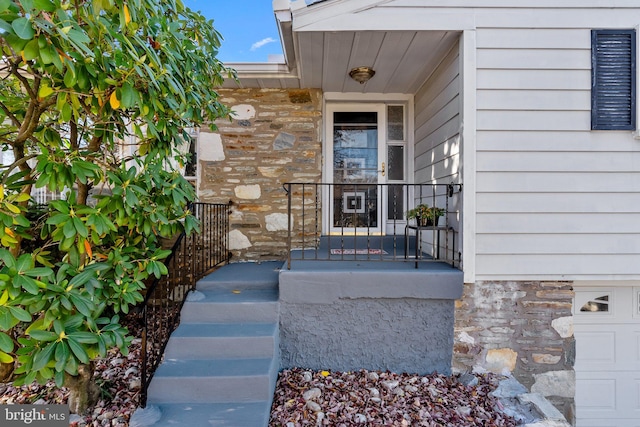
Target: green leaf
6, 343
84, 337
69, 78
5, 358
43, 357
62, 354
83, 305
78, 350
69, 229
23, 28
20, 314
129, 96
27, 5
45, 90
4, 5
39, 272
26, 283
7, 321
41, 335
66, 113
48, 54
46, 5
31, 50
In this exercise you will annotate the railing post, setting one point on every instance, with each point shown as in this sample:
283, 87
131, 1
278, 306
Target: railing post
288, 190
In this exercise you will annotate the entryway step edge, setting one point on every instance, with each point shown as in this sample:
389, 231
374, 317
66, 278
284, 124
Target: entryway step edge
225, 306
249, 414
214, 380
223, 340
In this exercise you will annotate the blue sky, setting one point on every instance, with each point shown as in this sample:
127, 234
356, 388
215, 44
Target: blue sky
247, 26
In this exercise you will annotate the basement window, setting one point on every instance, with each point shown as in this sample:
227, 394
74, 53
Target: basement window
600, 304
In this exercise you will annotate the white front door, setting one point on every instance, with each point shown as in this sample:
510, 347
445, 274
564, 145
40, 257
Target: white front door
355, 159
607, 332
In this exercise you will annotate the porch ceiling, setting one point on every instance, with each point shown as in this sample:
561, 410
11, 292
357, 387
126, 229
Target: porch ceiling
402, 60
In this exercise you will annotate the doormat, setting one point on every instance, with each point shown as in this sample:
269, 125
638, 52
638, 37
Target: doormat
358, 252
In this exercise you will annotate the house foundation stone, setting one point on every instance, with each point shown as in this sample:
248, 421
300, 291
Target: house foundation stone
523, 327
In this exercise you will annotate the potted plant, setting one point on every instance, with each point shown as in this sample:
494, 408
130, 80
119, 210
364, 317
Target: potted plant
424, 215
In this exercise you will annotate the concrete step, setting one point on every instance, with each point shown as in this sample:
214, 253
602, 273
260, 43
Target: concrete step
214, 380
248, 414
262, 275
228, 306
223, 340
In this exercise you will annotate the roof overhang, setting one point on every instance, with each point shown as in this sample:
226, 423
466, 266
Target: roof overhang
323, 41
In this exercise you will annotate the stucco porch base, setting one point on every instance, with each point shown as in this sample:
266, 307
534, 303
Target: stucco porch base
368, 315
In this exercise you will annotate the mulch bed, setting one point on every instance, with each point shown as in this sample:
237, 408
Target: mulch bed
312, 398
302, 397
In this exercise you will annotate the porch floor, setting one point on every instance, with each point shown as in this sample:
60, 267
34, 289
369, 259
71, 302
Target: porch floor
369, 252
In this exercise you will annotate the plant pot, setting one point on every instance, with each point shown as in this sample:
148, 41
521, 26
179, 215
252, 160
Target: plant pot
427, 221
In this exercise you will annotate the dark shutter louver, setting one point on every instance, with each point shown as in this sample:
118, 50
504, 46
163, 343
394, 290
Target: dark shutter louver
613, 79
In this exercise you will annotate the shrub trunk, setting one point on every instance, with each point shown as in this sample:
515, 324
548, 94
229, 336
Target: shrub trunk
83, 390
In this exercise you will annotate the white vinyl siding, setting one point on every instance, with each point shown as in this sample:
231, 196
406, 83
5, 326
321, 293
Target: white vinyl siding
437, 155
554, 199
437, 124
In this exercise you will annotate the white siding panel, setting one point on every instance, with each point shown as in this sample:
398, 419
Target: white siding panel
558, 162
437, 124
533, 100
578, 203
585, 243
556, 18
448, 94
540, 38
559, 226
440, 172
443, 117
445, 133
566, 182
534, 59
557, 267
443, 151
534, 79
569, 142
534, 120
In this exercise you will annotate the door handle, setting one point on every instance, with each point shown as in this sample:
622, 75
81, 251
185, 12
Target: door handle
382, 169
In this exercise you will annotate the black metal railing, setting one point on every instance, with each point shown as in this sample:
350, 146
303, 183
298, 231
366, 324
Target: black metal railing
191, 259
369, 222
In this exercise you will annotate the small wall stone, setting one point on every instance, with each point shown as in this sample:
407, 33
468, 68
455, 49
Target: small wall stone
501, 359
273, 138
525, 327
555, 383
237, 240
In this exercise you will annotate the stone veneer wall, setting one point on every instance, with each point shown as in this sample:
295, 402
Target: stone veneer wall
525, 327
274, 138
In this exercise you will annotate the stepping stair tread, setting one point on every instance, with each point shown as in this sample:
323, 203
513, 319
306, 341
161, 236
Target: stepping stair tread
224, 296
214, 368
221, 363
245, 414
224, 330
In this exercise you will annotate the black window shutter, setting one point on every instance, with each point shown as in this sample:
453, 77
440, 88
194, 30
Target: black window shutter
613, 79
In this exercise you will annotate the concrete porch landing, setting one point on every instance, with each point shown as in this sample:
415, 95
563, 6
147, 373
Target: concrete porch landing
376, 315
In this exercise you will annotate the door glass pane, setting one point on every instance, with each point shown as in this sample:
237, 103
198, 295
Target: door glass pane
355, 164
395, 161
395, 123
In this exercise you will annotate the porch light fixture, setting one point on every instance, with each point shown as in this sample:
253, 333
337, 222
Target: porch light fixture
362, 74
